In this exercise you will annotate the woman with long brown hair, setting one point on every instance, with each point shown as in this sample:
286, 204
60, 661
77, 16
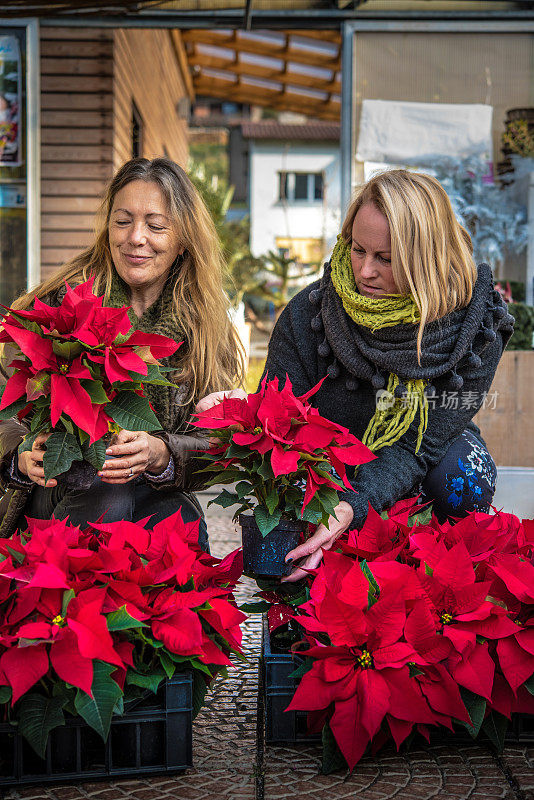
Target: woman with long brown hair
156, 250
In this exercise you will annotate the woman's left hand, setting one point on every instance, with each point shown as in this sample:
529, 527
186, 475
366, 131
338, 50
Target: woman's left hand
324, 537
134, 452
215, 398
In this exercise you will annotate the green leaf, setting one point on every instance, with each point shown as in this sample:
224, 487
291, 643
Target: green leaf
133, 412
414, 670
167, 663
266, 522
62, 449
66, 350
200, 688
154, 376
529, 685
374, 588
120, 620
15, 555
41, 418
243, 488
494, 726
5, 694
68, 595
272, 501
476, 708
95, 453
333, 759
98, 710
27, 442
265, 469
95, 390
429, 570
38, 715
255, 608
68, 424
422, 517
14, 408
311, 516
302, 669
151, 681
225, 499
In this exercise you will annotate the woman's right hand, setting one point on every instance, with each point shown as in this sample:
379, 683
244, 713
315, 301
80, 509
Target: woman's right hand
30, 462
215, 398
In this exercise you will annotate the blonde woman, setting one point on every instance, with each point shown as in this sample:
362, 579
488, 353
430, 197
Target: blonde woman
409, 333
156, 250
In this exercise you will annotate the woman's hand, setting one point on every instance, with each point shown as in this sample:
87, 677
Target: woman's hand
134, 452
324, 537
215, 398
30, 462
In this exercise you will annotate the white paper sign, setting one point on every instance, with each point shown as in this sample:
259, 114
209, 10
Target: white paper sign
416, 133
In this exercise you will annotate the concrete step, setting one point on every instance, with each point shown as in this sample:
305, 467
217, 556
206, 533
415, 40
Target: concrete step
515, 491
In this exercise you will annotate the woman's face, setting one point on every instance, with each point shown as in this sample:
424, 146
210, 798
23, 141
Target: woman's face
143, 241
370, 253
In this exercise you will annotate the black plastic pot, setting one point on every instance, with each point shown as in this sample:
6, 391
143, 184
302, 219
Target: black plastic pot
80, 475
264, 556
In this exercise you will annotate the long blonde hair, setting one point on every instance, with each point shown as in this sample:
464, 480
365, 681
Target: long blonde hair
213, 359
431, 253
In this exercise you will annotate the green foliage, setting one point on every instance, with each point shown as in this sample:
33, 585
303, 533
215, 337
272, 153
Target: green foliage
97, 711
133, 412
38, 715
333, 759
476, 708
495, 726
524, 326
62, 449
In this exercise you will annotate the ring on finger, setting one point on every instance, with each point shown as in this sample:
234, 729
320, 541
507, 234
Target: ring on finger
130, 474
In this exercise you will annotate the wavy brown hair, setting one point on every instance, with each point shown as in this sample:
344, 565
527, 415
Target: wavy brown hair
213, 359
431, 253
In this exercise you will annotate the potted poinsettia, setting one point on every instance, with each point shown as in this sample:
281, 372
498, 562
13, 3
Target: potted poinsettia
411, 627
288, 464
78, 372
92, 619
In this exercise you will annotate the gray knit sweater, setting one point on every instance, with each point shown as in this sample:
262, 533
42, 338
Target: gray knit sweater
300, 348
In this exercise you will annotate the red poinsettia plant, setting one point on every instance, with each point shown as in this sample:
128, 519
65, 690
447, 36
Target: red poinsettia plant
91, 619
408, 626
79, 371
285, 459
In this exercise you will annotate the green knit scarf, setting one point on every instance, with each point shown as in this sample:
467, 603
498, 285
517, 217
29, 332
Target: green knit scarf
156, 319
393, 416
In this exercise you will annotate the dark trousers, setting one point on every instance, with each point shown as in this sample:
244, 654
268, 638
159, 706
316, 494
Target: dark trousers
464, 480
131, 501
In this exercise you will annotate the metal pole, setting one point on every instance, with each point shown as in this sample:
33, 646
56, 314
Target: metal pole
347, 114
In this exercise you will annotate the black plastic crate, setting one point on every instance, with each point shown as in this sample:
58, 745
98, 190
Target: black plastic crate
290, 726
153, 736
281, 726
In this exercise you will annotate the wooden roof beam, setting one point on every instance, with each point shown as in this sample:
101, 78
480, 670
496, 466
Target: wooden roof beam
256, 96
298, 56
255, 70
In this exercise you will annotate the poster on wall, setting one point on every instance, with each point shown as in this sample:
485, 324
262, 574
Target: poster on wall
10, 101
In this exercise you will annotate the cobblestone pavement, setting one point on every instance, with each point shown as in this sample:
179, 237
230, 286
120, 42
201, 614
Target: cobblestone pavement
232, 763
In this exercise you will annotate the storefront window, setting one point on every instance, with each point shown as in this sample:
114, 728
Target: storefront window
13, 163
441, 102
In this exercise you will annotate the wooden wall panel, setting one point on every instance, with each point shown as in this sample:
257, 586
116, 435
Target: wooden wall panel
76, 137
507, 423
147, 73
89, 79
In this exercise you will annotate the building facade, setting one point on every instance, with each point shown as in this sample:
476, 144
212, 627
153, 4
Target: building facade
88, 99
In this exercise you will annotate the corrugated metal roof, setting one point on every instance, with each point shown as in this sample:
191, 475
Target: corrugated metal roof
309, 131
